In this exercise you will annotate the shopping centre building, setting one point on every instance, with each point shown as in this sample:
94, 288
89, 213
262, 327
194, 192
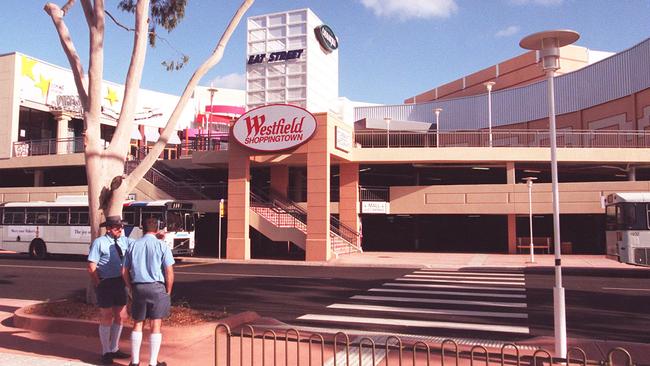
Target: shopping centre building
444, 172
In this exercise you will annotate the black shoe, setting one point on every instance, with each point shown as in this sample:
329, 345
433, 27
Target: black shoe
134, 364
161, 363
107, 358
120, 354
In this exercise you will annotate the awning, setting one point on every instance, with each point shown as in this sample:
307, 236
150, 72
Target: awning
151, 133
135, 134
225, 110
174, 140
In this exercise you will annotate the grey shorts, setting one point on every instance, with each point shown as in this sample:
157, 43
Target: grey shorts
150, 301
111, 292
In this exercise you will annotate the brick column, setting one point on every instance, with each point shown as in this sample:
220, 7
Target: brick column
280, 179
238, 244
512, 234
318, 194
510, 173
349, 195
63, 147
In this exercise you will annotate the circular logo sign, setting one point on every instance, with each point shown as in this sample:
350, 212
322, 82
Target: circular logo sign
274, 127
326, 37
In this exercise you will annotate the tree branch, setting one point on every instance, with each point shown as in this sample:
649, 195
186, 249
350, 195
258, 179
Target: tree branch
96, 63
88, 12
67, 6
65, 38
120, 140
117, 23
139, 172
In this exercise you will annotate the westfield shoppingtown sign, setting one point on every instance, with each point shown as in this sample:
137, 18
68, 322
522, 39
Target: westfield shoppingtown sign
274, 127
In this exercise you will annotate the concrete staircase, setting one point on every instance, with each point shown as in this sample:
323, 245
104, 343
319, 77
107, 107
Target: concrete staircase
280, 219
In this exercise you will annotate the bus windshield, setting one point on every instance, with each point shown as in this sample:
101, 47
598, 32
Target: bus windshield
176, 220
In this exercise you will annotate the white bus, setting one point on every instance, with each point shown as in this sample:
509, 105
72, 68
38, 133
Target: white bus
61, 227
628, 227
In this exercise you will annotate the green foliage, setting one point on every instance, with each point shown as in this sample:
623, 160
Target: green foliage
175, 65
165, 13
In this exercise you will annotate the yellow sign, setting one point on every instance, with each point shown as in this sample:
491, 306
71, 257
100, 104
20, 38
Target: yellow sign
222, 208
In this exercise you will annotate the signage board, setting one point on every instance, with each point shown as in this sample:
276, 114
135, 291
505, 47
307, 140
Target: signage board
275, 56
274, 127
343, 139
373, 207
326, 38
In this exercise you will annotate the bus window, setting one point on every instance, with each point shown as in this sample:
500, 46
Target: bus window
156, 213
14, 216
36, 216
610, 218
79, 216
129, 217
631, 216
58, 216
175, 221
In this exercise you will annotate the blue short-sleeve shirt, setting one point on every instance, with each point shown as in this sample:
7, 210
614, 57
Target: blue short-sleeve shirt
103, 252
147, 258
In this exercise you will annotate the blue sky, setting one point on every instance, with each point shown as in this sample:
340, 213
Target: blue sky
389, 49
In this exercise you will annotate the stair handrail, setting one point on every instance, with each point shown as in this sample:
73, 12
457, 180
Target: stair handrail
338, 228
275, 199
160, 180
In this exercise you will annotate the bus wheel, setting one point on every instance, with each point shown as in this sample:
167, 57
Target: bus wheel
37, 249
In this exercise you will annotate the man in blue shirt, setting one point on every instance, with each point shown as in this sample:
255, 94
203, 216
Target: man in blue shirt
148, 272
105, 269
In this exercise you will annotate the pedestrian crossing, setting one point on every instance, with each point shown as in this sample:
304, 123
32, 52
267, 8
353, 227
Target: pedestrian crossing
431, 302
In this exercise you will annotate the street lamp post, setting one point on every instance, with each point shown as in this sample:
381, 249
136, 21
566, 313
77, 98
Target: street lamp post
548, 44
437, 112
387, 120
529, 183
489, 86
212, 90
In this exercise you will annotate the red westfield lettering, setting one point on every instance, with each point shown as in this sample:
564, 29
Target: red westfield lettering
255, 125
274, 127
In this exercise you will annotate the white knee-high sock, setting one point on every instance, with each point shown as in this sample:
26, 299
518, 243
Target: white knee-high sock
116, 332
136, 341
105, 338
156, 340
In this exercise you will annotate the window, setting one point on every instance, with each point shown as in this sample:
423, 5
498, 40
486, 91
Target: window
611, 217
14, 216
36, 216
79, 216
58, 216
130, 215
148, 212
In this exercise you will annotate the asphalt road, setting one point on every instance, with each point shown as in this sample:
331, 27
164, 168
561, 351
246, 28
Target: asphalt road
492, 304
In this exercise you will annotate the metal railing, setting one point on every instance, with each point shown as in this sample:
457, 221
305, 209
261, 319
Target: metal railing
262, 346
286, 213
375, 194
178, 190
503, 138
68, 145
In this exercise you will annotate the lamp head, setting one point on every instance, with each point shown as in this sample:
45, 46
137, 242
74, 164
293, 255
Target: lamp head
548, 44
489, 85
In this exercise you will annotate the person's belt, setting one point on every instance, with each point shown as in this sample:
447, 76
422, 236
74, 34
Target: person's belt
146, 283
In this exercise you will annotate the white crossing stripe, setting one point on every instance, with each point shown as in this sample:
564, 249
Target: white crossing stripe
467, 287
418, 323
470, 276
483, 274
451, 293
430, 279
428, 311
440, 301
